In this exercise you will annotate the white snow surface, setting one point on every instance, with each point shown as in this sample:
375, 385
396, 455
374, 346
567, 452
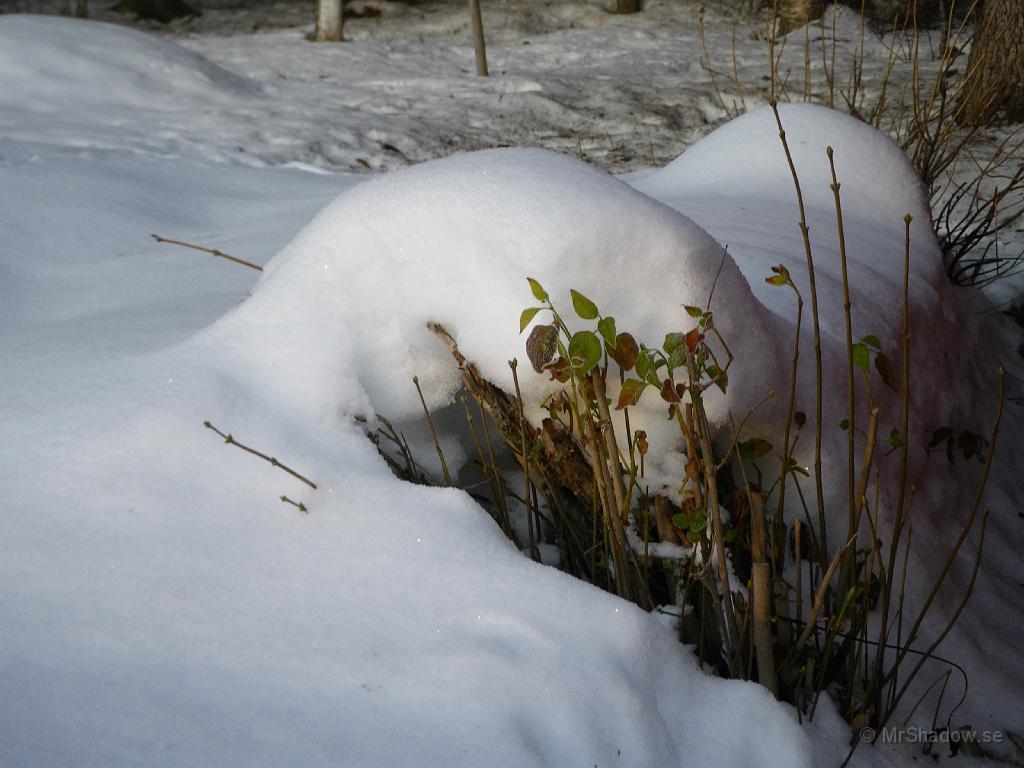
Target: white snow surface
162, 607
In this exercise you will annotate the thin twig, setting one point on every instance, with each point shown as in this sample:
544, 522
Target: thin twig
211, 251
230, 440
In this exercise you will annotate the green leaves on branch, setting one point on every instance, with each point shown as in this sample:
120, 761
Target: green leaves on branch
692, 523
862, 353
557, 350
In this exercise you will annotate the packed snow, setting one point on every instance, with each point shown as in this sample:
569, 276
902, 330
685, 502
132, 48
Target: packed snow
163, 607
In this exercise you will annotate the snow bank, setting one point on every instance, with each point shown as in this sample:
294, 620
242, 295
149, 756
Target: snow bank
49, 61
88, 84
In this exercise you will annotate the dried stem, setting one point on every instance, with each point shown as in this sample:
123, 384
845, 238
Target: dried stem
211, 251
230, 440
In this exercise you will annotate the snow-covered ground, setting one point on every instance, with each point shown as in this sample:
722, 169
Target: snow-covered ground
161, 606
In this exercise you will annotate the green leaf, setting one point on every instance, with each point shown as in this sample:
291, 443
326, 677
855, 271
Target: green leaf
645, 368
606, 327
872, 341
681, 521
673, 341
894, 438
630, 393
844, 424
694, 311
541, 345
753, 449
861, 356
677, 358
584, 351
719, 377
527, 316
698, 521
538, 292
625, 351
585, 308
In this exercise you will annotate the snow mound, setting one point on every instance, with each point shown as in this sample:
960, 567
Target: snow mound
337, 325
453, 241
48, 63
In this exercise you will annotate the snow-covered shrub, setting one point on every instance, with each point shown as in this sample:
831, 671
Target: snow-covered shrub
402, 272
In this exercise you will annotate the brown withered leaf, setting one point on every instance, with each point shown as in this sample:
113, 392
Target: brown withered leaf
693, 340
668, 392
541, 346
641, 442
625, 352
559, 369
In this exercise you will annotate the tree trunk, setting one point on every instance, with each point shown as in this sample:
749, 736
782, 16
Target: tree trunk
994, 82
330, 21
478, 37
164, 11
627, 6
82, 9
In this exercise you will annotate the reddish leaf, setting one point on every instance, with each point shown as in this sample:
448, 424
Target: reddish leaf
693, 340
625, 352
668, 392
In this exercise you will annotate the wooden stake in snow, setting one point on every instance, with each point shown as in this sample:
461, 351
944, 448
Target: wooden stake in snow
478, 37
330, 21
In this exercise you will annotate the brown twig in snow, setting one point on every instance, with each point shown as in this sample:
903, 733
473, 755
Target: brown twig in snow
211, 251
230, 440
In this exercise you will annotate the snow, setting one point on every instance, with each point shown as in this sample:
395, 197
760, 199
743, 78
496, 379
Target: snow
162, 607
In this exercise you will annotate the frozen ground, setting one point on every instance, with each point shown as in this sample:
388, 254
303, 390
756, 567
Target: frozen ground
162, 606
621, 92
